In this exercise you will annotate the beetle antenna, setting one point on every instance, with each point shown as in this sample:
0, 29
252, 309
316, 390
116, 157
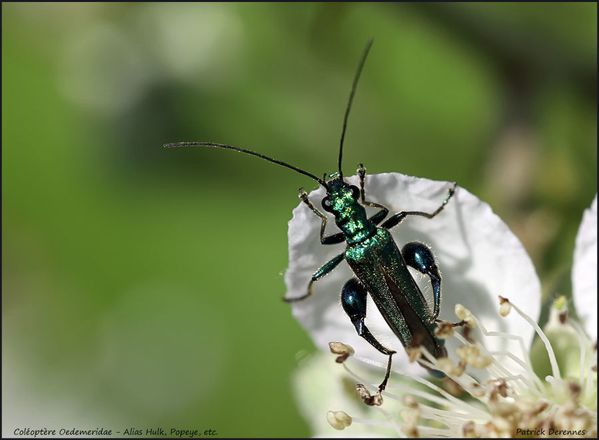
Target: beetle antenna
350, 100
243, 150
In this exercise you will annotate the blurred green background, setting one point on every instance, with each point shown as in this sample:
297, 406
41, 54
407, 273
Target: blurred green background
142, 287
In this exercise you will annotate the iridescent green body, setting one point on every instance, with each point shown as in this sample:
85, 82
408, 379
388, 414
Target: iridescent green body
379, 265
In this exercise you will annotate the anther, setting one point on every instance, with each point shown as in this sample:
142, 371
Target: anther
497, 388
410, 416
465, 315
447, 366
410, 401
505, 306
342, 350
470, 355
469, 430
339, 419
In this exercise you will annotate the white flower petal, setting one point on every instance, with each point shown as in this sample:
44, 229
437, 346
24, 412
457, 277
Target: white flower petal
479, 257
584, 272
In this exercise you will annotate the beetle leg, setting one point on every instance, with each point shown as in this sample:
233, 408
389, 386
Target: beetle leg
420, 257
395, 219
379, 216
353, 300
331, 239
325, 269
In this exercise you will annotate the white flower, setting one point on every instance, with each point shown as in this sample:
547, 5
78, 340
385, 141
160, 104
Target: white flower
480, 259
584, 272
478, 256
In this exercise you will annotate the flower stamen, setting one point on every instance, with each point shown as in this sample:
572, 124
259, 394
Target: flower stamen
552, 359
508, 403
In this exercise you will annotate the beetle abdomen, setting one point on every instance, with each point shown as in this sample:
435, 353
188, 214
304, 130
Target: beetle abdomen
379, 265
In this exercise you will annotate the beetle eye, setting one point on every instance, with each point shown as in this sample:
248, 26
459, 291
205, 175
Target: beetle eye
355, 192
326, 204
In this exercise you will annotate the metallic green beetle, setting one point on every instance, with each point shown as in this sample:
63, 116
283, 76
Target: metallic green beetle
380, 268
